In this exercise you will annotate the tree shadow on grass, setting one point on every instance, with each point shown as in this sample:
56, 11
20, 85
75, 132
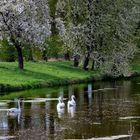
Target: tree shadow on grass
70, 68
39, 75
27, 73
66, 67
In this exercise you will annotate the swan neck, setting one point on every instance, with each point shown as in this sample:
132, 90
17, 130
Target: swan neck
72, 99
60, 101
18, 104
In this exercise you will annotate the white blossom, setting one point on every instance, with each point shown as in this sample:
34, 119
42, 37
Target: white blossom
25, 19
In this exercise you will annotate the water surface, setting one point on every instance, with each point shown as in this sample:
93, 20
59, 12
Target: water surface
103, 110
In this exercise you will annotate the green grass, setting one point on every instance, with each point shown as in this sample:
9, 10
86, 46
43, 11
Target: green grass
39, 74
42, 74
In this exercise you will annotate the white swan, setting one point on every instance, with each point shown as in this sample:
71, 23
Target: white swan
72, 101
60, 107
71, 106
60, 104
15, 110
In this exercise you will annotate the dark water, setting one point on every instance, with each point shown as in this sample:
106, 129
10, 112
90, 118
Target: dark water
103, 109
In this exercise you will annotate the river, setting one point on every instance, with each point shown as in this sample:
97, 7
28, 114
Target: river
104, 111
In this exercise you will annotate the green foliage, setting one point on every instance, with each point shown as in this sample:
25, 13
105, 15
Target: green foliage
9, 54
37, 54
135, 64
52, 6
27, 52
7, 51
54, 47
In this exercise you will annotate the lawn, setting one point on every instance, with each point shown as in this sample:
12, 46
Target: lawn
39, 73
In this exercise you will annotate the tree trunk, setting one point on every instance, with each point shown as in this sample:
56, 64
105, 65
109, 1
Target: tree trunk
20, 57
76, 60
93, 63
19, 53
53, 26
86, 62
67, 55
44, 55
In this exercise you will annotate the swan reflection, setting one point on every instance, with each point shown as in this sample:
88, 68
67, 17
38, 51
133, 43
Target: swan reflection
3, 121
71, 111
15, 115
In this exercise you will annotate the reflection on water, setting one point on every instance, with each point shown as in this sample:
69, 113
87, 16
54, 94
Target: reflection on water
103, 110
71, 111
3, 121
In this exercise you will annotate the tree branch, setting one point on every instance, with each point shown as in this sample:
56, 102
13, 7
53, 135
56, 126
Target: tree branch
5, 22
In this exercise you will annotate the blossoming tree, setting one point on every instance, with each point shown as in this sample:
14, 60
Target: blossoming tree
102, 31
24, 21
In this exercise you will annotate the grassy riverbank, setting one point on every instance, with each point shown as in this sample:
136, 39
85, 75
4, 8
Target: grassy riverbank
42, 74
